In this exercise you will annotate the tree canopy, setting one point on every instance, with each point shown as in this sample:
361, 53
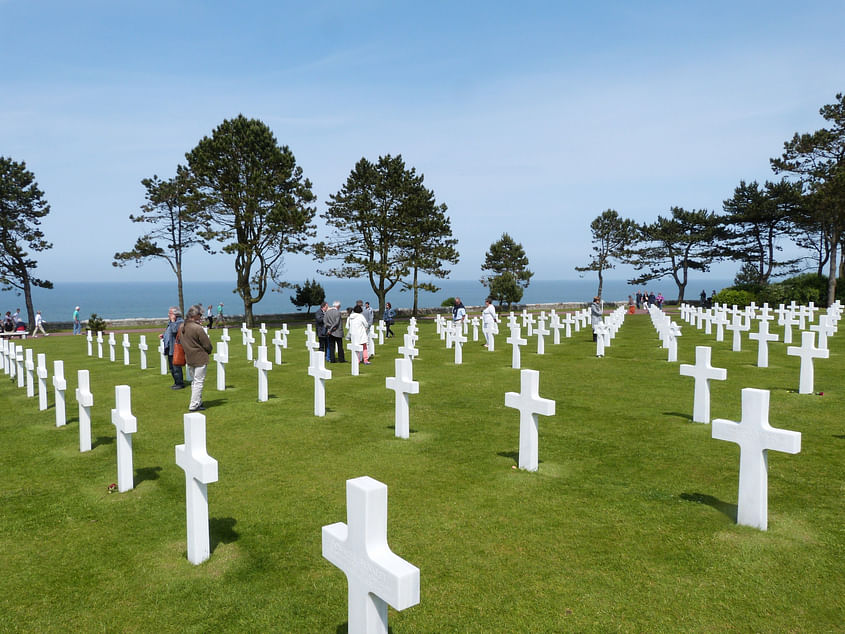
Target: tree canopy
173, 221
384, 223
612, 236
508, 274
673, 246
817, 159
254, 200
22, 206
309, 294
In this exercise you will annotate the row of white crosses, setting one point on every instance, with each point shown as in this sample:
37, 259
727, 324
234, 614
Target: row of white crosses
17, 362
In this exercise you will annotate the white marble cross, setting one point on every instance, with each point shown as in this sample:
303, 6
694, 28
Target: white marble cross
224, 337
737, 327
807, 351
530, 405
59, 385
41, 370
279, 342
86, 401
825, 330
221, 356
474, 323
249, 339
541, 333
375, 575
721, 320
516, 340
90, 340
263, 366
162, 356
601, 338
763, 337
126, 425
311, 341
263, 331
555, 324
403, 384
755, 437
408, 350
354, 349
99, 344
19, 364
244, 330
126, 345
318, 370
381, 328
142, 349
459, 340
200, 470
112, 344
29, 364
703, 373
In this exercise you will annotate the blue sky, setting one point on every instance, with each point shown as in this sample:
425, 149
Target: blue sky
527, 118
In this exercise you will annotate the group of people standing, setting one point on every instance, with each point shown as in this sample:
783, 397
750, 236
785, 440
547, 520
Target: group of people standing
357, 329
188, 335
644, 299
12, 322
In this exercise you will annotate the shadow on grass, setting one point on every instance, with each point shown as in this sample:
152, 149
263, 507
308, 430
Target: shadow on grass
513, 455
222, 531
102, 440
840, 436
679, 415
411, 430
215, 402
709, 500
344, 629
146, 473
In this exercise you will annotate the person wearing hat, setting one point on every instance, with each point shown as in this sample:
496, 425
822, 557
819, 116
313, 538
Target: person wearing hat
77, 325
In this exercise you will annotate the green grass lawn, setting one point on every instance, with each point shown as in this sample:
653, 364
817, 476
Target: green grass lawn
629, 524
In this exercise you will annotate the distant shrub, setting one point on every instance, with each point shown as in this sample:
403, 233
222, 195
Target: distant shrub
96, 324
802, 289
448, 302
733, 296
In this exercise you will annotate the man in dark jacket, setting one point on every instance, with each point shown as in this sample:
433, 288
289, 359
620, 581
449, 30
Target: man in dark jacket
169, 337
322, 333
334, 329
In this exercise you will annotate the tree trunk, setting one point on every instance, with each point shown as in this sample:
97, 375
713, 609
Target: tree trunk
681, 289
416, 293
179, 289
601, 283
831, 279
27, 296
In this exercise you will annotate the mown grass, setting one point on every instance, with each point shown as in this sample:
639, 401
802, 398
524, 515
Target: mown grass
629, 524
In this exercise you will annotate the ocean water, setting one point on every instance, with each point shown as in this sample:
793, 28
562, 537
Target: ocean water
112, 300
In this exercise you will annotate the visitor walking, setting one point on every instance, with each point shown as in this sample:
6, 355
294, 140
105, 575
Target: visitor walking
356, 326
334, 328
389, 318
39, 325
209, 315
174, 316
488, 323
219, 321
197, 347
77, 324
595, 315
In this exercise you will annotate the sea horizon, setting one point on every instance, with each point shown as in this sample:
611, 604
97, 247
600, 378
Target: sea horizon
151, 299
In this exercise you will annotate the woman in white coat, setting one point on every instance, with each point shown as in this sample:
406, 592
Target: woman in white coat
356, 326
488, 323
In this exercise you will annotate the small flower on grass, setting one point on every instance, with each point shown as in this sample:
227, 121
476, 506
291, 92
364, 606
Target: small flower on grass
113, 488
821, 393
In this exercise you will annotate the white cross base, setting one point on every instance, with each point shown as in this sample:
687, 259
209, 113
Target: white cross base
222, 358
529, 404
375, 575
126, 424
702, 372
755, 437
86, 402
403, 384
200, 469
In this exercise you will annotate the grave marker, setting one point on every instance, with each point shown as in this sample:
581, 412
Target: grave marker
41, 370
221, 356
200, 470
318, 370
755, 438
162, 356
112, 343
90, 340
404, 385
807, 351
59, 385
515, 340
354, 349
85, 400
408, 350
703, 373
126, 425
530, 405
375, 576
263, 366
99, 344
279, 342
126, 345
142, 350
30, 373
459, 340
763, 337
541, 333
